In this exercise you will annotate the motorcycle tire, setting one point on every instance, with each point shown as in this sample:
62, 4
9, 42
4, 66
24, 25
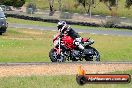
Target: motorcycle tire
74, 59
96, 54
54, 57
51, 55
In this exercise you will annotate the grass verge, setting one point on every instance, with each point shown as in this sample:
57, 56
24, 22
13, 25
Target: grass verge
26, 45
55, 82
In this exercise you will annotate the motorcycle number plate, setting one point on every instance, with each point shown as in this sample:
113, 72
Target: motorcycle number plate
88, 51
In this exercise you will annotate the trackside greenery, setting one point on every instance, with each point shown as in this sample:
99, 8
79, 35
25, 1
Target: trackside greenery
60, 81
30, 45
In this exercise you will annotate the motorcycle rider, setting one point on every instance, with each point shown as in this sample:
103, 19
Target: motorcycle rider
64, 28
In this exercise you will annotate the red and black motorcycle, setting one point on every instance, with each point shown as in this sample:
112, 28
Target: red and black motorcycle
64, 49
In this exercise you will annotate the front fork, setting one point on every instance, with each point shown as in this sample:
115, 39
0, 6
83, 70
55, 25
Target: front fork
60, 54
59, 45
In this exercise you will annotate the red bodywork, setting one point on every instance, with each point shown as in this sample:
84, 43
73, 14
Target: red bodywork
84, 39
68, 41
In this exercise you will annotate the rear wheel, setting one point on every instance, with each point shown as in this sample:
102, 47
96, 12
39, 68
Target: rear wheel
94, 57
54, 57
74, 59
0, 33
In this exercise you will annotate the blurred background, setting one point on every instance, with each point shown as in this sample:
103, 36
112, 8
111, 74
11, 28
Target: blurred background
103, 12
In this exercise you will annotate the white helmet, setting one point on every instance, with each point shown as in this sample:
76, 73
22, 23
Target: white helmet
61, 24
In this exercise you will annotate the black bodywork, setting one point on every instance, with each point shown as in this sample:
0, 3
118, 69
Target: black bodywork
3, 23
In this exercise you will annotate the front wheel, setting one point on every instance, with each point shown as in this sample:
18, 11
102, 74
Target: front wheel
94, 57
54, 57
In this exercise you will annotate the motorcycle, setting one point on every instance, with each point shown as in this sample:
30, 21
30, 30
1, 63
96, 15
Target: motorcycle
65, 49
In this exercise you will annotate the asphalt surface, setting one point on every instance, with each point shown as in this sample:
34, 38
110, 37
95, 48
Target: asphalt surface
91, 31
67, 63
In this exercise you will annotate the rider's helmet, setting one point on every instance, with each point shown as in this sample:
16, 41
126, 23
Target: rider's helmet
60, 25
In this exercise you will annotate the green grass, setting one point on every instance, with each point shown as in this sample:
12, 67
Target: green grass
38, 23
22, 21
60, 81
25, 45
20, 45
99, 9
